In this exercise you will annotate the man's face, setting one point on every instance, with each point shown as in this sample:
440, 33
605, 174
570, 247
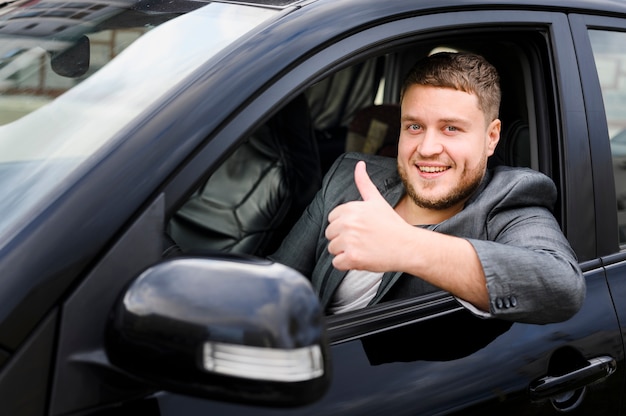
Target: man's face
444, 144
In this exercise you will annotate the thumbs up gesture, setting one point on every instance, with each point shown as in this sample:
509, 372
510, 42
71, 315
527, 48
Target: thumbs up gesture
365, 235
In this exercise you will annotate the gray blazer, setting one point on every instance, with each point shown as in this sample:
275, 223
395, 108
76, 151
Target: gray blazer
531, 270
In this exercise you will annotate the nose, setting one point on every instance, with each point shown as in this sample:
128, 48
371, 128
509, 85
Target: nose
430, 144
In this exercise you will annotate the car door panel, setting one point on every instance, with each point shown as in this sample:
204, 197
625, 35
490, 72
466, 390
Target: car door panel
24, 381
82, 378
460, 364
601, 68
616, 277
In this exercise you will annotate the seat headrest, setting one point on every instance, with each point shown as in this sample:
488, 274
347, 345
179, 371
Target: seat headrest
375, 130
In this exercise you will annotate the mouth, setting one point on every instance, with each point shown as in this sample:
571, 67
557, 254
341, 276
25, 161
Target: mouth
432, 169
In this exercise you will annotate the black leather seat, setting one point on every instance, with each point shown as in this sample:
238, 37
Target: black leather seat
514, 146
251, 201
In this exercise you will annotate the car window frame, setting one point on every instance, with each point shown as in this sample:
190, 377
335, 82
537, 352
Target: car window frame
367, 43
606, 202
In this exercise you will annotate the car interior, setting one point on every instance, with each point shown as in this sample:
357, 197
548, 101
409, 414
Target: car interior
249, 204
251, 201
370, 124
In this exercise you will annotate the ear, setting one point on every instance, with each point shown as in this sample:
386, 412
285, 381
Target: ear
493, 136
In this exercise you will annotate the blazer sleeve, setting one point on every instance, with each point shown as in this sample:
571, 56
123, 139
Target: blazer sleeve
531, 271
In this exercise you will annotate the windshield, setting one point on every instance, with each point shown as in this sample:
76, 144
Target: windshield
73, 74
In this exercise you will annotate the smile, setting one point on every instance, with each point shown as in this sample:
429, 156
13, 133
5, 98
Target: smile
432, 169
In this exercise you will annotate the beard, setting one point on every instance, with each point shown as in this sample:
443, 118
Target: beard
467, 185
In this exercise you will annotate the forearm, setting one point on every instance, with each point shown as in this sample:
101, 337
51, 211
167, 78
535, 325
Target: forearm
450, 263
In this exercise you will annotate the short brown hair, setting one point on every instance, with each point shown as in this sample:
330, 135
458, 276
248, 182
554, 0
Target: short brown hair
460, 71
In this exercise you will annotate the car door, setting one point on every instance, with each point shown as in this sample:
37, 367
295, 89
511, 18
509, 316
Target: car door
418, 356
599, 44
429, 355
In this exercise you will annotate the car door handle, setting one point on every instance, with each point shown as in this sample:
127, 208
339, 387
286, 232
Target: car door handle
549, 386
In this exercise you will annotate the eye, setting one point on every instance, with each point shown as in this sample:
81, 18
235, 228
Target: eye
415, 127
451, 129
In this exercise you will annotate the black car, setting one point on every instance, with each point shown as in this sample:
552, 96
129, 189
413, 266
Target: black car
154, 152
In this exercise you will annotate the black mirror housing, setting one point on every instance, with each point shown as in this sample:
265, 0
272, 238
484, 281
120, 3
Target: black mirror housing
234, 329
73, 62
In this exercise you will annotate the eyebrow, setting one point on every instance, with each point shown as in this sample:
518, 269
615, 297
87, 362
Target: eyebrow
455, 121
460, 121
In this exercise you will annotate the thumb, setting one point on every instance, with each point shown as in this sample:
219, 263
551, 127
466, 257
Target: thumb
364, 184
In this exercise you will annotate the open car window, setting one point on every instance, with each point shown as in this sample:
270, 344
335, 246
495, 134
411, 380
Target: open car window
356, 108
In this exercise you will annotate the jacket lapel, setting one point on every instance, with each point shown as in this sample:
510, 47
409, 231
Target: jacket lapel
389, 279
329, 284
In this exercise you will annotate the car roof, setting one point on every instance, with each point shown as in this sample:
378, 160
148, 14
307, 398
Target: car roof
588, 6
276, 3
571, 6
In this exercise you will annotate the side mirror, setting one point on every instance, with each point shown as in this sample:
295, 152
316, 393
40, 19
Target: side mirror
234, 329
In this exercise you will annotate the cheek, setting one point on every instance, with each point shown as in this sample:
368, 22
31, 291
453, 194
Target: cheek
476, 159
406, 147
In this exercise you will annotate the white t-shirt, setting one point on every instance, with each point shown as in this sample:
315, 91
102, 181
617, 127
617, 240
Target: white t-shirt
355, 291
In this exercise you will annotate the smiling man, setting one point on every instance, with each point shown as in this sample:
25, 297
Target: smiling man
436, 217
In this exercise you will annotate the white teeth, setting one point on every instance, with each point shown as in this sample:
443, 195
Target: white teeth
432, 169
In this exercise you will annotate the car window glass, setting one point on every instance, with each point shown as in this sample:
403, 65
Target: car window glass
39, 78
42, 146
610, 59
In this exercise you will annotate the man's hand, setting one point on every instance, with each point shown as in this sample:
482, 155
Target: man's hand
365, 235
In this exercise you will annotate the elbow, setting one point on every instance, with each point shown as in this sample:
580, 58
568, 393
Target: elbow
570, 298
574, 297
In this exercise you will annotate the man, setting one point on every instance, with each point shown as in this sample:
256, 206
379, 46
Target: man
436, 217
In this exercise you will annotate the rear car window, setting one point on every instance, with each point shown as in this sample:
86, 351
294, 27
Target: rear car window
610, 58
